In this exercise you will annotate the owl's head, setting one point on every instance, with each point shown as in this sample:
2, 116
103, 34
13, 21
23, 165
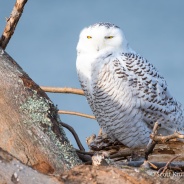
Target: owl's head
102, 37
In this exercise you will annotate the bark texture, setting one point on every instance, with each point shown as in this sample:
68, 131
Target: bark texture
29, 123
112, 175
12, 171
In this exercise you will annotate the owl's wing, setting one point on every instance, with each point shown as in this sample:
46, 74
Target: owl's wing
148, 88
128, 96
131, 82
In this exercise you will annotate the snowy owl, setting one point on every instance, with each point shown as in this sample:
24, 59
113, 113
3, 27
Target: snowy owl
125, 92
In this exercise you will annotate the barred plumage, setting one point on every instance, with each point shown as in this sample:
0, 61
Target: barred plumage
125, 92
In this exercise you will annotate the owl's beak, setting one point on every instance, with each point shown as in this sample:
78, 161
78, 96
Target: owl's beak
100, 45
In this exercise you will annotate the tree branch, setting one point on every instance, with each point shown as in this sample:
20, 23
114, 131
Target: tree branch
85, 153
163, 169
159, 138
157, 164
123, 153
12, 23
84, 156
62, 90
74, 134
149, 148
76, 113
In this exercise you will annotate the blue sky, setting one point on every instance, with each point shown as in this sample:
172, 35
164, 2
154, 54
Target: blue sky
46, 37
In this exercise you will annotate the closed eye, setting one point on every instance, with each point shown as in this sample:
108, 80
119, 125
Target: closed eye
89, 37
109, 37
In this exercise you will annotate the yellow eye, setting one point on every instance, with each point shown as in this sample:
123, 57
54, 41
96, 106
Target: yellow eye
109, 37
89, 37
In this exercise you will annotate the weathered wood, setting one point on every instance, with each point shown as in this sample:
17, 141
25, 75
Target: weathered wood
111, 175
29, 123
12, 171
162, 152
11, 22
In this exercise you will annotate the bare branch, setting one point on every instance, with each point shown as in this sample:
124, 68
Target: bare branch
84, 156
152, 165
76, 113
62, 90
74, 134
85, 153
12, 23
158, 165
159, 138
123, 153
67, 90
163, 169
155, 128
149, 148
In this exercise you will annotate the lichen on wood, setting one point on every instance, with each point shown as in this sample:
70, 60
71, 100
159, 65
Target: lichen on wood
29, 122
39, 113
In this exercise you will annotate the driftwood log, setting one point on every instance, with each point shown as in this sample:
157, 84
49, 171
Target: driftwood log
12, 171
30, 128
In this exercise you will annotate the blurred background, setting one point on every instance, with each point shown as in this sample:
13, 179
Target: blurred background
44, 44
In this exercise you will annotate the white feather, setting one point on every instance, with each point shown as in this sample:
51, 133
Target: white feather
126, 93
